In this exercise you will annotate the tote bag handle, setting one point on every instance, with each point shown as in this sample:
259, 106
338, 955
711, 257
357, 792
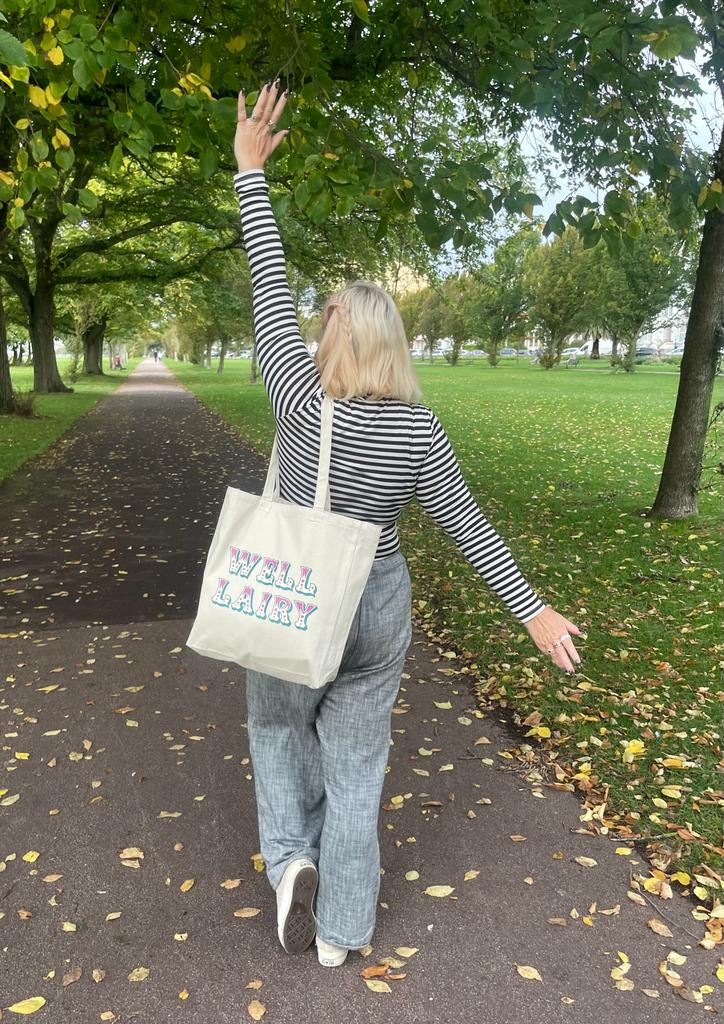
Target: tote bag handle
322, 497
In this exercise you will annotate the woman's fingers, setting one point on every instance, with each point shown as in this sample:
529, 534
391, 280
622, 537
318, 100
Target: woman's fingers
241, 108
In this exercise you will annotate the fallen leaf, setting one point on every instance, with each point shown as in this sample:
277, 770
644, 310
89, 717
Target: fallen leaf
247, 912
188, 884
528, 972
659, 927
469, 875
376, 985
256, 1010
439, 890
139, 974
374, 971
27, 1005
406, 951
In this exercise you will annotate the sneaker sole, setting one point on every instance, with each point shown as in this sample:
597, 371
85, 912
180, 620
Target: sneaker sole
300, 925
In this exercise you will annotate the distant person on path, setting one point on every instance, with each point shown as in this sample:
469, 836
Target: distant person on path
155, 355
117, 363
319, 755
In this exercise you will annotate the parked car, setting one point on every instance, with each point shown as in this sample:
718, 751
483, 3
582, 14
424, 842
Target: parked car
642, 354
572, 351
507, 351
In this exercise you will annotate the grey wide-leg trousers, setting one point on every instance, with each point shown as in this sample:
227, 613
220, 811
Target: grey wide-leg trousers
319, 759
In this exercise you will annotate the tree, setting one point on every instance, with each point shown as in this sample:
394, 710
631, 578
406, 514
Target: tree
7, 397
555, 281
641, 280
498, 298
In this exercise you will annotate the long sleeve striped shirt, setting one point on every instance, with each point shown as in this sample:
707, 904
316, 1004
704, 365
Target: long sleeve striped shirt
384, 452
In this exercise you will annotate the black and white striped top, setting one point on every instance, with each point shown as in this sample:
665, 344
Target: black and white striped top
384, 452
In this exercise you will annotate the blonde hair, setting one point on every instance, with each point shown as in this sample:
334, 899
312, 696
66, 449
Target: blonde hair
363, 349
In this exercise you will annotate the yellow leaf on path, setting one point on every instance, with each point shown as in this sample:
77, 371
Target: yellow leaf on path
114, 915
175, 650
412, 876
439, 890
528, 972
51, 878
519, 839
424, 752
481, 739
444, 705
247, 912
68, 926
659, 927
258, 862
231, 883
376, 985
28, 1005
188, 884
31, 856
624, 851
469, 875
254, 984
139, 974
130, 853
256, 1009
183, 994
406, 951
586, 862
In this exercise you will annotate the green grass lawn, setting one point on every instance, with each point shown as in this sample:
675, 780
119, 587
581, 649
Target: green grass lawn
22, 437
563, 463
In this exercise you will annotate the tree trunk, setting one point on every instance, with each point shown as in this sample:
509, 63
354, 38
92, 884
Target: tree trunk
7, 399
595, 350
222, 353
254, 372
614, 348
677, 496
46, 378
93, 347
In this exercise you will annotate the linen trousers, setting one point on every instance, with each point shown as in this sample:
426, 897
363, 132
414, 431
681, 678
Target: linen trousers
319, 759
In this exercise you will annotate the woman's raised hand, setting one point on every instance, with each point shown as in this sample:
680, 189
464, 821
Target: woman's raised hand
546, 629
255, 137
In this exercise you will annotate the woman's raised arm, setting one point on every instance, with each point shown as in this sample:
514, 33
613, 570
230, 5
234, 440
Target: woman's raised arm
287, 368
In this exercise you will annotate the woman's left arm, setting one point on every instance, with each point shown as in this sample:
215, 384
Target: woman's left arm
287, 368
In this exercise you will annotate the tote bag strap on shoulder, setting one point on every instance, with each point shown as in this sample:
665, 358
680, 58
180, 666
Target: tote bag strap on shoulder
322, 499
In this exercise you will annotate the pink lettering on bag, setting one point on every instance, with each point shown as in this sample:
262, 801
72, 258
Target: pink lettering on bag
242, 562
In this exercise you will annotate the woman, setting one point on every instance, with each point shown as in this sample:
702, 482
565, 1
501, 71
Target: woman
319, 755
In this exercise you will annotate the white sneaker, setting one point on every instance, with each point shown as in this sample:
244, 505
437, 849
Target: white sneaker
330, 955
296, 923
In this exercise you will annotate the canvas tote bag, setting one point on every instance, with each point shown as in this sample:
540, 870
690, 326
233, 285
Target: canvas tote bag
282, 582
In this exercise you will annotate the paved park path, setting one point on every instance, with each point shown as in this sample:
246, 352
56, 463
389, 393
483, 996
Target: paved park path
119, 740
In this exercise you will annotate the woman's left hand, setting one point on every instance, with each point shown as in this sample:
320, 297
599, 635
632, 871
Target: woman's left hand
255, 138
